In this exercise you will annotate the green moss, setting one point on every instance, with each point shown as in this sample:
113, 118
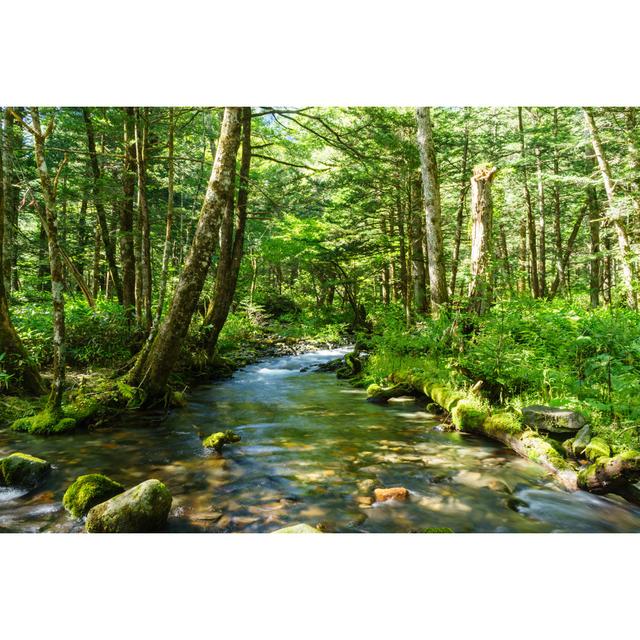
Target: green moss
501, 423
446, 397
23, 470
567, 446
218, 440
178, 399
437, 530
87, 491
597, 448
469, 414
47, 422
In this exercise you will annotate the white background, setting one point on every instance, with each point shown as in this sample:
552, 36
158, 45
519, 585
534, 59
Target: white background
278, 52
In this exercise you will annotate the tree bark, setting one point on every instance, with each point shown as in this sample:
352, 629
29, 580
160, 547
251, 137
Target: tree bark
417, 256
49, 188
127, 257
613, 214
433, 227
155, 364
227, 273
16, 361
542, 252
531, 227
480, 287
594, 258
143, 217
455, 258
109, 248
10, 204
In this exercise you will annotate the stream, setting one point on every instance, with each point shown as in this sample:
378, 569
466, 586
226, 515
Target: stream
312, 451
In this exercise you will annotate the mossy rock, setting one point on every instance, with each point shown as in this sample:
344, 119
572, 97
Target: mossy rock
141, 509
437, 530
376, 393
469, 414
45, 423
22, 470
87, 491
298, 528
597, 448
567, 446
218, 440
581, 440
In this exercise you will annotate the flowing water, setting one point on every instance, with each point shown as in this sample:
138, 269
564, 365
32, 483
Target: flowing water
312, 451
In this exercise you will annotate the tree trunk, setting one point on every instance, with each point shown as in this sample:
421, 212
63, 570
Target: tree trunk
169, 223
109, 249
433, 228
557, 226
49, 188
16, 360
10, 204
155, 364
531, 227
480, 287
594, 258
417, 256
455, 258
143, 217
614, 215
542, 253
127, 258
568, 251
226, 282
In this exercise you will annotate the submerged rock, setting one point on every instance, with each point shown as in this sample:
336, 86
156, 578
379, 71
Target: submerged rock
298, 528
552, 419
218, 440
391, 493
22, 470
142, 509
597, 448
88, 491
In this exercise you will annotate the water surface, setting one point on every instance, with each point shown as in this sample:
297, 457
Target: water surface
312, 451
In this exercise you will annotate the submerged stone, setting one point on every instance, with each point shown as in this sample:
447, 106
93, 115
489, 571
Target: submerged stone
391, 493
22, 470
552, 419
88, 491
298, 528
141, 509
218, 440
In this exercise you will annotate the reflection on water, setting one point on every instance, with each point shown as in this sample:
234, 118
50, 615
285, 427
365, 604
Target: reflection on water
312, 451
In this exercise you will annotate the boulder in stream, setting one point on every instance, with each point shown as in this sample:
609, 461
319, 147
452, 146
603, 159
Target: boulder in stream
88, 491
141, 509
218, 440
22, 470
298, 528
391, 493
552, 419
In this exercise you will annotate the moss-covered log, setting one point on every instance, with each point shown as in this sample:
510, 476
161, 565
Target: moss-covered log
607, 475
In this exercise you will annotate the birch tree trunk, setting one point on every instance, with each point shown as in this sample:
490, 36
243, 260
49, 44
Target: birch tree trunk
10, 203
155, 364
480, 287
433, 226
